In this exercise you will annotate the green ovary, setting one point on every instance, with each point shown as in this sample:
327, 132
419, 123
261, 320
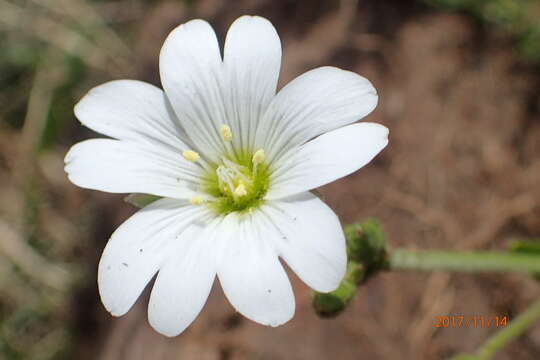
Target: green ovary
237, 185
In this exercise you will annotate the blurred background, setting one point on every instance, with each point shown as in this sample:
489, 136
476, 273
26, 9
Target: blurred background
459, 89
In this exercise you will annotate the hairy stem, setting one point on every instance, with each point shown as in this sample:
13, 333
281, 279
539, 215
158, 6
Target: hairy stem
501, 338
481, 261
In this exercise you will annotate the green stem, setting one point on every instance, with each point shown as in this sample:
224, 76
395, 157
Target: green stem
502, 337
514, 329
477, 261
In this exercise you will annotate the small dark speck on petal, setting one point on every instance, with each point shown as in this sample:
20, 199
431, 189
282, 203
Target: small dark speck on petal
140, 250
109, 267
125, 264
284, 238
269, 291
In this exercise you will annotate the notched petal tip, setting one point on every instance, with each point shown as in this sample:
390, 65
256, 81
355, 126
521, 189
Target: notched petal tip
383, 131
332, 283
67, 158
115, 312
190, 25
109, 299
273, 319
195, 25
252, 19
165, 332
112, 308
162, 327
249, 36
78, 109
276, 324
83, 108
363, 88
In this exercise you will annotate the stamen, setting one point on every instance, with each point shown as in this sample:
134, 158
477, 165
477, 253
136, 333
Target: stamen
240, 190
238, 185
191, 155
259, 156
197, 200
257, 159
226, 132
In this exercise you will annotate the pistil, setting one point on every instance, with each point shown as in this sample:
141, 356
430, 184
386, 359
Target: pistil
236, 183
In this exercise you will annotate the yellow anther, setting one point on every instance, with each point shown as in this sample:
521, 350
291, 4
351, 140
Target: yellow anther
259, 156
226, 132
191, 155
240, 190
197, 200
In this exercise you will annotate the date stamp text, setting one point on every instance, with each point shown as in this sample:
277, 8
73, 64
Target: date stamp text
475, 322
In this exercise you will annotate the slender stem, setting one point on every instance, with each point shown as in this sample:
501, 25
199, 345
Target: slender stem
480, 261
514, 329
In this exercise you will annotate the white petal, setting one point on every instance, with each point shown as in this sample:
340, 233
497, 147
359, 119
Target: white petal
131, 110
318, 101
183, 283
138, 248
119, 166
252, 60
191, 73
252, 276
309, 238
327, 158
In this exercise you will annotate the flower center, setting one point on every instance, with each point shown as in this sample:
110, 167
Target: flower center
237, 183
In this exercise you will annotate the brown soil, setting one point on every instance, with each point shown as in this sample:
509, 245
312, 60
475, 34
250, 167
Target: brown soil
461, 171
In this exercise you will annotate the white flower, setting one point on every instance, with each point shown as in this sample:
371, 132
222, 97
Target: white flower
233, 162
